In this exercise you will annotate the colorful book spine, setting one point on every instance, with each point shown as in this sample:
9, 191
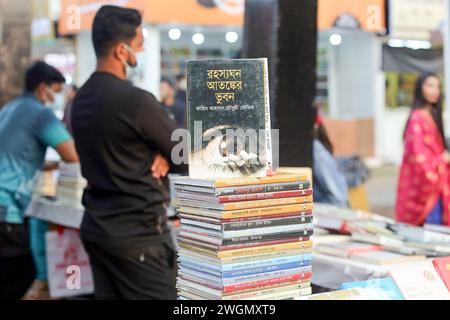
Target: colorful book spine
266, 203
304, 227
303, 283
266, 249
270, 268
268, 275
267, 211
221, 183
299, 235
260, 293
247, 219
265, 282
256, 212
262, 188
265, 223
267, 195
255, 218
306, 258
201, 243
261, 263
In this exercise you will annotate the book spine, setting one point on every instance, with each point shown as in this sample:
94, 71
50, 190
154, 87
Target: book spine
298, 235
268, 126
209, 244
303, 289
262, 263
266, 282
266, 203
262, 188
267, 249
237, 182
277, 216
304, 227
264, 196
305, 283
267, 211
265, 223
270, 255
269, 268
219, 222
268, 275
251, 244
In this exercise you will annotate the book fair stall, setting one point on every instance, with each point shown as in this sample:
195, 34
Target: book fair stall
246, 230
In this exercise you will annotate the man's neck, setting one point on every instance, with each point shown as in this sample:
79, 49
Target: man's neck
111, 66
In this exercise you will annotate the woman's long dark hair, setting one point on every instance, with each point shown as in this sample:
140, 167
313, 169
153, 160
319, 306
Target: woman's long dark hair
420, 103
321, 133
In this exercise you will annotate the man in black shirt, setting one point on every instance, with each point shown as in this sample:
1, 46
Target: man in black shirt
124, 142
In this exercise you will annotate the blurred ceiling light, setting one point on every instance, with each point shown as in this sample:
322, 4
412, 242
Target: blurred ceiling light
396, 43
335, 39
198, 38
232, 37
174, 34
417, 44
411, 44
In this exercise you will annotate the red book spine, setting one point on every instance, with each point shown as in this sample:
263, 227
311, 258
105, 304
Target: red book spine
267, 195
267, 282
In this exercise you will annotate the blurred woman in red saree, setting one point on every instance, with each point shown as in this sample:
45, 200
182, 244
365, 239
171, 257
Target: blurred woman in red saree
423, 194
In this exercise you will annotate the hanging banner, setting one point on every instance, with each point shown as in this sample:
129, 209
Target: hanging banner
77, 15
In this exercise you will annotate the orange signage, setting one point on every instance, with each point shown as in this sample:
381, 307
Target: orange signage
370, 15
77, 15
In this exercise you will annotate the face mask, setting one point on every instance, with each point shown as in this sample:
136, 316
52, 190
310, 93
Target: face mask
183, 85
132, 71
58, 100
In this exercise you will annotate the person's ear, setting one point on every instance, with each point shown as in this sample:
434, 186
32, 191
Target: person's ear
120, 52
41, 92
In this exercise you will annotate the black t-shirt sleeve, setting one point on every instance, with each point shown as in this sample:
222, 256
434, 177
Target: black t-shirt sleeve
156, 128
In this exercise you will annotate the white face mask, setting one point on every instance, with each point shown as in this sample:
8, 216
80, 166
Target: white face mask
58, 100
182, 85
132, 71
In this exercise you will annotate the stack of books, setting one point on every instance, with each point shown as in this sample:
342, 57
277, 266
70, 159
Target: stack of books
71, 185
244, 238
46, 185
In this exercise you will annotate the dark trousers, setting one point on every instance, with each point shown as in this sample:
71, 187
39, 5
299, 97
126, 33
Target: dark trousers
134, 274
17, 270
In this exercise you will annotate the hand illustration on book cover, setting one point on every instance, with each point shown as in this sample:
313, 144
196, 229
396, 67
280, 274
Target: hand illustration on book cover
229, 118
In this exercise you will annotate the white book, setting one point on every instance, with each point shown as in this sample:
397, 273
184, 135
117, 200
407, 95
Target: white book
437, 228
416, 234
384, 257
420, 281
186, 230
382, 240
182, 252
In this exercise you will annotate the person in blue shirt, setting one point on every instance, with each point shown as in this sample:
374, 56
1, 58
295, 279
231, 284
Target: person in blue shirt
27, 128
330, 185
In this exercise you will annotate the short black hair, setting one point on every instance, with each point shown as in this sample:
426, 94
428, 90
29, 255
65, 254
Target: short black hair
168, 81
180, 77
113, 25
41, 72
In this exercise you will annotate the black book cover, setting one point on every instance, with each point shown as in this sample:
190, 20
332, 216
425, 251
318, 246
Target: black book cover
229, 119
